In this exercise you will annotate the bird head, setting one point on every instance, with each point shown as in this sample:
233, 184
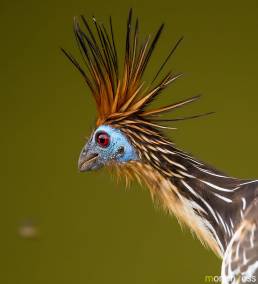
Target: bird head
106, 145
126, 130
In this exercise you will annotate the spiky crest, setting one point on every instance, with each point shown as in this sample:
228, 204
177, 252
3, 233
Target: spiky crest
120, 95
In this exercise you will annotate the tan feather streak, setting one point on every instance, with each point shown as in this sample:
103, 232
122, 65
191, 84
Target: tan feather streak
170, 107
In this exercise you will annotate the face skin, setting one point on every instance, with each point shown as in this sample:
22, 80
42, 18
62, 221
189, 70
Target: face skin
106, 144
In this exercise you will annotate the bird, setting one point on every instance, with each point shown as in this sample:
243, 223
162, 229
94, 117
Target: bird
130, 137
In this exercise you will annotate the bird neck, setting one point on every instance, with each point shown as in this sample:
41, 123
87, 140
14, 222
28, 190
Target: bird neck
209, 202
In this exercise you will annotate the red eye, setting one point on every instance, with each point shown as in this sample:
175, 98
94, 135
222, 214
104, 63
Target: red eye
102, 139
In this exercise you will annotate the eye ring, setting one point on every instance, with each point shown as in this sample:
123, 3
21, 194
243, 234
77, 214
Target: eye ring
103, 139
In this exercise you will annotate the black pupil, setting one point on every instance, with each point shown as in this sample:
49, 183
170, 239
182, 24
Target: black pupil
102, 139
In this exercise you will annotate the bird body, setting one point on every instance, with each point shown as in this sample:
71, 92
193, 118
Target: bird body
221, 210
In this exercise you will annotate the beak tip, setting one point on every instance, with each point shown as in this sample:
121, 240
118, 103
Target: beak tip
83, 166
80, 169
86, 163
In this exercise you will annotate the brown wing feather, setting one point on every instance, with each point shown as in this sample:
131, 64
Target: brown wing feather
240, 264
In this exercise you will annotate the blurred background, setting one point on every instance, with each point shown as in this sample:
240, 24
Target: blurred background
61, 226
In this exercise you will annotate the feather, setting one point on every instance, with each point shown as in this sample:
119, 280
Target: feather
170, 107
168, 57
119, 94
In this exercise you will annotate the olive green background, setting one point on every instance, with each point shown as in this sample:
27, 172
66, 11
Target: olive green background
89, 228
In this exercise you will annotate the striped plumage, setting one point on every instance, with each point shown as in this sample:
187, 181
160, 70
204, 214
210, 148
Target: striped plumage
221, 210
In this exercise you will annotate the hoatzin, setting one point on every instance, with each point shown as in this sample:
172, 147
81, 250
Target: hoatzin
129, 137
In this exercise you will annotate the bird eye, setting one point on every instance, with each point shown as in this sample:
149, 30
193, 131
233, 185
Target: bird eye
103, 139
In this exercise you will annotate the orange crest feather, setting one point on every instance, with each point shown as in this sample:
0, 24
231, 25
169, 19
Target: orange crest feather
119, 96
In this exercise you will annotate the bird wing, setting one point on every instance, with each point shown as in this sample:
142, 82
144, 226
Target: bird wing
240, 263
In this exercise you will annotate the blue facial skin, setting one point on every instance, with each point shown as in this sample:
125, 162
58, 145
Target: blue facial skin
119, 150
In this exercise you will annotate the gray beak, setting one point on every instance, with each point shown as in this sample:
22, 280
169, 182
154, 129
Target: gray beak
87, 161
